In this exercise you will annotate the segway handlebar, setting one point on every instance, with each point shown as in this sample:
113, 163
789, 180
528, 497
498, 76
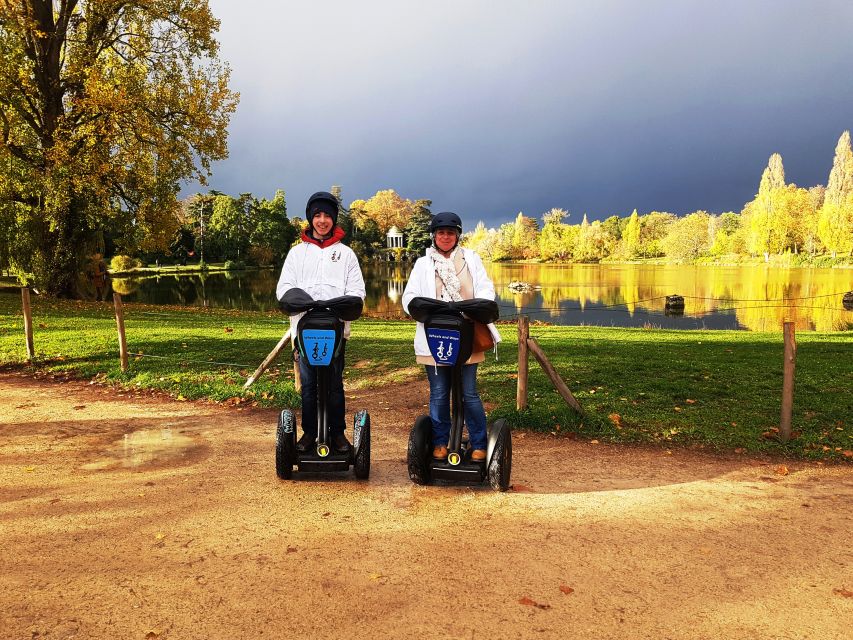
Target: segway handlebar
479, 309
346, 308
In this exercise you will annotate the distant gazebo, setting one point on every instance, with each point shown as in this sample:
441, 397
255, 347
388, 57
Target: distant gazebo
395, 238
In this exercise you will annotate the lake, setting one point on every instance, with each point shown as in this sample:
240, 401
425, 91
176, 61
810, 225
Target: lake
752, 298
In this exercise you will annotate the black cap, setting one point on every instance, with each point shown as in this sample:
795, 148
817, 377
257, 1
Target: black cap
445, 219
322, 201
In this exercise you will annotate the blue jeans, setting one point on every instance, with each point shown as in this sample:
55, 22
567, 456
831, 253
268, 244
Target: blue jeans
335, 407
439, 405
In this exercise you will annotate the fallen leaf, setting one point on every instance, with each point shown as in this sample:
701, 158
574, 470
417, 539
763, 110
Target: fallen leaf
42, 325
228, 330
30, 469
532, 603
843, 592
740, 450
782, 470
77, 407
152, 634
376, 576
520, 488
566, 589
676, 408
160, 536
847, 453
593, 441
616, 419
291, 550
689, 401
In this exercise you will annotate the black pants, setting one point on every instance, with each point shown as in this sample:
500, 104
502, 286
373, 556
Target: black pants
335, 403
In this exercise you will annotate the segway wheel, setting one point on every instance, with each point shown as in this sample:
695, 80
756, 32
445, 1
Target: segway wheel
361, 427
285, 445
500, 466
420, 441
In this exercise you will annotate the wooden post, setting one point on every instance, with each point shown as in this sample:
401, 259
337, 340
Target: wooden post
521, 389
122, 341
28, 323
552, 374
272, 355
297, 381
788, 381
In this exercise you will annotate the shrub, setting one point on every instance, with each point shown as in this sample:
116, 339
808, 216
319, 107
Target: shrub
234, 265
124, 263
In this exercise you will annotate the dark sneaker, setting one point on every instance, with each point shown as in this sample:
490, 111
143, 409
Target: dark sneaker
306, 443
340, 443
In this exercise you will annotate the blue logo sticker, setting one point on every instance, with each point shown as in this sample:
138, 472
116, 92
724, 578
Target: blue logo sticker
319, 345
444, 345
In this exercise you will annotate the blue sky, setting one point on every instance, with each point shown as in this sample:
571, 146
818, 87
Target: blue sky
491, 108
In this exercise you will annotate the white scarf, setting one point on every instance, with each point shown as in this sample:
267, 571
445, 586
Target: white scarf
446, 271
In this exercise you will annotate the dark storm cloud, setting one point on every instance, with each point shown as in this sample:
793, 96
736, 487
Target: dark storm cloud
491, 108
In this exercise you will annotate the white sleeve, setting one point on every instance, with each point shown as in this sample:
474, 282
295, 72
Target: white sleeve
483, 285
413, 286
287, 279
354, 285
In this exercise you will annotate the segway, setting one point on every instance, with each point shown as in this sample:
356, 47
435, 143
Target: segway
449, 336
318, 338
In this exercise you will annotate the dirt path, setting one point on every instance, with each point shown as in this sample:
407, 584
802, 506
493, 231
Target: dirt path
129, 516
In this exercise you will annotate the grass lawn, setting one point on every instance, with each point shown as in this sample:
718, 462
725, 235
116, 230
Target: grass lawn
714, 389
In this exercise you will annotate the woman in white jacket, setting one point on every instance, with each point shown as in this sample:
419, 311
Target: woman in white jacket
451, 273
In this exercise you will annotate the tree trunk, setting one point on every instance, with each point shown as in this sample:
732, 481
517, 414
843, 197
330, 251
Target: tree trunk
64, 254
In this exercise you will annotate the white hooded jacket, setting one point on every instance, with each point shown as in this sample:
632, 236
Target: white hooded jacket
322, 272
422, 284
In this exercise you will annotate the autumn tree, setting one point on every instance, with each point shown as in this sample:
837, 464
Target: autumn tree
105, 108
555, 237
631, 236
835, 220
484, 241
386, 208
653, 229
766, 233
687, 237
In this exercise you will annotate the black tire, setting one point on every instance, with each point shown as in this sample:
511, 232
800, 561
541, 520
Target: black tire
420, 441
285, 445
361, 464
500, 466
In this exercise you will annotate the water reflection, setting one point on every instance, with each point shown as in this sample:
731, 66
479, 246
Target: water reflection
754, 298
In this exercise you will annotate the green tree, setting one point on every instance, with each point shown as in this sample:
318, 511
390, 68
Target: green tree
273, 234
417, 229
105, 107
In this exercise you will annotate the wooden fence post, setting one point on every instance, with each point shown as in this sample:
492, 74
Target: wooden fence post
122, 341
788, 381
297, 381
521, 389
28, 323
268, 360
553, 376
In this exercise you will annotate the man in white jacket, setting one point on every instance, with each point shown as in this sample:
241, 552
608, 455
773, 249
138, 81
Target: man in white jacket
451, 273
324, 268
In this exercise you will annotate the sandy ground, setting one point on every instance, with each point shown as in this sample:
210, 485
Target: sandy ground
132, 516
